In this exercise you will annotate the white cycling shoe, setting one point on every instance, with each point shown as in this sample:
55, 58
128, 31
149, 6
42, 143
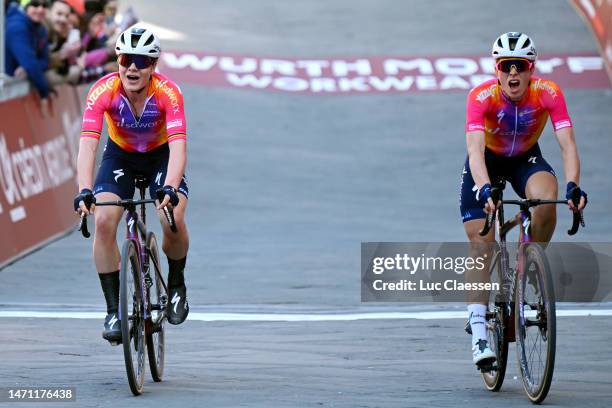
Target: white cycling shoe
482, 354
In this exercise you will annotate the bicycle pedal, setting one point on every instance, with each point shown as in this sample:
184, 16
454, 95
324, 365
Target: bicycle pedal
114, 343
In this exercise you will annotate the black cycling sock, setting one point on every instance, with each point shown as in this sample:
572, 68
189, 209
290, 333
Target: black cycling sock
110, 287
175, 275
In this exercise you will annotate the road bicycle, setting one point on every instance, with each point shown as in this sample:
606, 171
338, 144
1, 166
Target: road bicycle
523, 310
143, 294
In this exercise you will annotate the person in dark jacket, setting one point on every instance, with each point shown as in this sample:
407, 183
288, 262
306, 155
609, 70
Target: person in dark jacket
26, 44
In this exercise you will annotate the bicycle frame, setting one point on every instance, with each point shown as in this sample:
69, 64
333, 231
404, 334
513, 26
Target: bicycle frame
138, 235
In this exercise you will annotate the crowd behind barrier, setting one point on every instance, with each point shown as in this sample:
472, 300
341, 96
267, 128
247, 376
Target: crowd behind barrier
55, 42
54, 48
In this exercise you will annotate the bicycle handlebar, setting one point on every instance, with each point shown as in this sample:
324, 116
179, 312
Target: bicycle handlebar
490, 220
578, 219
168, 212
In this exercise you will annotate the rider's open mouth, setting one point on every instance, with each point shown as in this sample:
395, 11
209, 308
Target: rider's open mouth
514, 83
133, 77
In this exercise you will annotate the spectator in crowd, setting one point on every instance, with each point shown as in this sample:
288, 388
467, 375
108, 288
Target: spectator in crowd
77, 5
110, 12
26, 45
99, 56
64, 45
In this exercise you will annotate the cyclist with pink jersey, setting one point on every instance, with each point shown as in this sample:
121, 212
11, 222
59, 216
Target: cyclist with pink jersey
505, 118
147, 137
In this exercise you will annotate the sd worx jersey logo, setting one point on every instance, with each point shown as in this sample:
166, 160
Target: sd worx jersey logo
138, 125
99, 90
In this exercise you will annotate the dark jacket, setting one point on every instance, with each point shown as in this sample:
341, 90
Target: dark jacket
26, 46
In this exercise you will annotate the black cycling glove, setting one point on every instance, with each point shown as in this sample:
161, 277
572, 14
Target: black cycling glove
86, 195
170, 191
574, 191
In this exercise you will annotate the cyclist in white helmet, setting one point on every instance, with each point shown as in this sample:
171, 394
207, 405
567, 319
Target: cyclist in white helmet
147, 136
505, 117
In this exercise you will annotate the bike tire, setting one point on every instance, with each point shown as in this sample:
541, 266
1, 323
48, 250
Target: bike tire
156, 293
536, 378
130, 311
495, 331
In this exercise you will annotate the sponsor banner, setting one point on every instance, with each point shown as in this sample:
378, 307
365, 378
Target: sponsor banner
368, 74
458, 272
37, 171
598, 15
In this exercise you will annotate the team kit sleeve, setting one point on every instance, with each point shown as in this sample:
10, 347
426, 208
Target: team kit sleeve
475, 111
554, 101
172, 102
96, 105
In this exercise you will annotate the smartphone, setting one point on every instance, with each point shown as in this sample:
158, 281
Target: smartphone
74, 36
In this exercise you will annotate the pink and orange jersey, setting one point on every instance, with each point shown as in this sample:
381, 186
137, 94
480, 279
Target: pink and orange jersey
511, 128
161, 121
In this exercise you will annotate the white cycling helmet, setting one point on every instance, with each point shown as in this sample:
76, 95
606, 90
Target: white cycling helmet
138, 40
514, 44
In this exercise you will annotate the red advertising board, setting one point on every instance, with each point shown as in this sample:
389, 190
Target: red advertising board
598, 15
37, 171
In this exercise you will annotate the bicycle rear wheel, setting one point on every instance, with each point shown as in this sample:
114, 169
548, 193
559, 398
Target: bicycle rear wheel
496, 324
131, 315
158, 299
535, 323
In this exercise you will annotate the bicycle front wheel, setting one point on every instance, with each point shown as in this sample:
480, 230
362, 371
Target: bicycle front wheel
535, 323
131, 315
497, 318
158, 300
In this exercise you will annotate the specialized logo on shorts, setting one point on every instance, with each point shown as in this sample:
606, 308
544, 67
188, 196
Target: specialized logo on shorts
477, 190
532, 159
118, 173
158, 178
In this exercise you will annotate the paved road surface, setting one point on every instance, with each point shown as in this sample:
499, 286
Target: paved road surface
284, 188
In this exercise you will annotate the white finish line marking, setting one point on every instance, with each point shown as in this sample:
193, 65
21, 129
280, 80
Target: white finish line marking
289, 317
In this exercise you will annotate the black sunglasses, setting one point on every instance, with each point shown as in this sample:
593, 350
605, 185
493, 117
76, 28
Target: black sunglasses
141, 61
38, 3
506, 65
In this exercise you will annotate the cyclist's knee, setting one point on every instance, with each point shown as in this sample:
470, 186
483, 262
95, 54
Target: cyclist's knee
106, 225
542, 185
472, 230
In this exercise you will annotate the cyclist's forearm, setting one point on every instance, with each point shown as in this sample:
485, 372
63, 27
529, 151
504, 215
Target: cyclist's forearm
571, 164
176, 163
569, 153
478, 167
86, 161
